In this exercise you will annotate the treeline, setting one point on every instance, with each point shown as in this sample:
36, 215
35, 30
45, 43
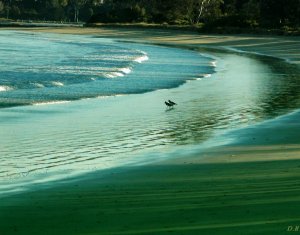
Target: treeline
49, 10
210, 13
239, 13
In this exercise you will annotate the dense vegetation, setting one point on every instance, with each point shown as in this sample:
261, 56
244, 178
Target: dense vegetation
210, 13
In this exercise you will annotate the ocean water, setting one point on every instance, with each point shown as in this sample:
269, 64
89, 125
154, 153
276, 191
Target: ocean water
46, 68
100, 103
60, 99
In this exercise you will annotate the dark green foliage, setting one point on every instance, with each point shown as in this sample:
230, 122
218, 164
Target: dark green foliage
114, 14
246, 14
278, 13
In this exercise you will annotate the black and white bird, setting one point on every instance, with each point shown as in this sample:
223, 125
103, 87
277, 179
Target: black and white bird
170, 103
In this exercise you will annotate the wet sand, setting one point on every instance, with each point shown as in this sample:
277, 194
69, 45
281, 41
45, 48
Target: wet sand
186, 197
248, 187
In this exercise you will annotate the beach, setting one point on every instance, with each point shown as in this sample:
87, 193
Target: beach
277, 46
249, 185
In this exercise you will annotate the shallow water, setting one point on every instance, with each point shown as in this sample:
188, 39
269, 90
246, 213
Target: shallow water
51, 142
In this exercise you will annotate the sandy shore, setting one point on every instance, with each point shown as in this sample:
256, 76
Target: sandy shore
250, 187
282, 47
214, 198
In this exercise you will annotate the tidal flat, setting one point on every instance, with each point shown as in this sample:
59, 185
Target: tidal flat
226, 162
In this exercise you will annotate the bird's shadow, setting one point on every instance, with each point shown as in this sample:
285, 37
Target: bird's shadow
169, 109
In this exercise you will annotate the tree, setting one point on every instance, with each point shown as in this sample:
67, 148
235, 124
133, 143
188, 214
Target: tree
77, 5
251, 12
198, 10
278, 13
7, 7
1, 6
213, 13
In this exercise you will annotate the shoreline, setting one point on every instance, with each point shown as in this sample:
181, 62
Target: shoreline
283, 47
229, 190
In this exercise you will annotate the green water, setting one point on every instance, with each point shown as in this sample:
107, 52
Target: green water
43, 144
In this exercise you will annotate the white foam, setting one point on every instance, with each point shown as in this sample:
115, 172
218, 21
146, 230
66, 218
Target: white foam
143, 52
114, 74
107, 57
206, 75
39, 85
51, 102
214, 63
108, 75
5, 88
55, 83
103, 96
141, 59
125, 70
117, 74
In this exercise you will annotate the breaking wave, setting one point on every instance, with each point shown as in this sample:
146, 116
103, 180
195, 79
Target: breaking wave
50, 67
